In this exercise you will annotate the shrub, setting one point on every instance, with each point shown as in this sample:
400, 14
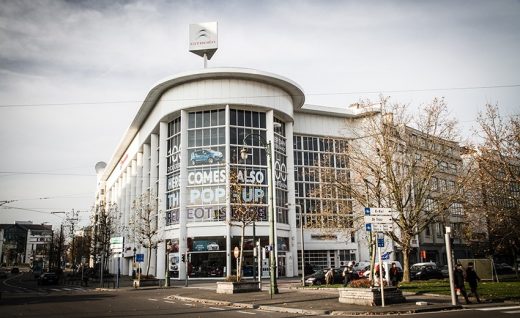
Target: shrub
360, 283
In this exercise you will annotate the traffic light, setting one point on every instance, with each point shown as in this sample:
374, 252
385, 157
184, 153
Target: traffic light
183, 258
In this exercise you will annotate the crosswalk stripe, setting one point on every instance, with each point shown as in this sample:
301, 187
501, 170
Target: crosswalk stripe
498, 308
169, 302
216, 308
512, 312
246, 312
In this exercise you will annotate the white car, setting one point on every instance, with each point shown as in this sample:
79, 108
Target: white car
213, 246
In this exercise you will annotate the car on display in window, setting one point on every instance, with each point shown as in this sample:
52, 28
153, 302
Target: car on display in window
202, 156
213, 246
49, 278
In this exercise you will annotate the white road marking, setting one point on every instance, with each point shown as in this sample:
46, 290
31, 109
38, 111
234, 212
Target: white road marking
246, 312
216, 308
169, 302
498, 308
152, 299
512, 312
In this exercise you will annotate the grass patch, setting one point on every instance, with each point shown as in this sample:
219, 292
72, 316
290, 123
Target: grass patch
509, 290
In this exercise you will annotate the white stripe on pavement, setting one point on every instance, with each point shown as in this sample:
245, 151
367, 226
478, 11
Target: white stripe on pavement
512, 312
246, 312
497, 308
169, 302
216, 308
152, 299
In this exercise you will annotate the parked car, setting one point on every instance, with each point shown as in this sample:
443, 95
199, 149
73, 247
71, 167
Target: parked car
49, 278
15, 270
445, 272
206, 156
504, 268
424, 271
359, 269
318, 278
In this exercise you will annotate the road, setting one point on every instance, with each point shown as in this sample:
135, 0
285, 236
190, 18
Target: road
23, 298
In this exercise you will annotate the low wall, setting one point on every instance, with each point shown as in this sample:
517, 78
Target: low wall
370, 296
234, 287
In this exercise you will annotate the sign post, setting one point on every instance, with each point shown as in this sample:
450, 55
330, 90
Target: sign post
379, 220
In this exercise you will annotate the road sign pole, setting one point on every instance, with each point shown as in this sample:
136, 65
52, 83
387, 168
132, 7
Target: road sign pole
381, 283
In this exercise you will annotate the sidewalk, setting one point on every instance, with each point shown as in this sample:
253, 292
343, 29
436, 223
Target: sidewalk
293, 299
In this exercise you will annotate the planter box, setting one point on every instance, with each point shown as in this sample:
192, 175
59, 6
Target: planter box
146, 283
370, 296
237, 287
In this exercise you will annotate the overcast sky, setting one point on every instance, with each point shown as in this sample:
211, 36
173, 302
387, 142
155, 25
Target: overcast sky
73, 73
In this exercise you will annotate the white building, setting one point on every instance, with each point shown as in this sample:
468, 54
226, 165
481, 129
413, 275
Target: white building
184, 143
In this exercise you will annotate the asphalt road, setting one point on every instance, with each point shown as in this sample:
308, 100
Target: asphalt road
21, 297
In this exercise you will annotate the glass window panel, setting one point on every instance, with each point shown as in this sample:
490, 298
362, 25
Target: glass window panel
240, 117
214, 117
262, 120
191, 120
198, 138
232, 117
221, 136
256, 120
198, 119
206, 119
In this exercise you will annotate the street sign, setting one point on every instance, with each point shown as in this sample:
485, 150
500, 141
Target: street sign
139, 258
378, 211
116, 240
382, 227
117, 245
380, 242
118, 255
378, 219
236, 252
117, 250
368, 227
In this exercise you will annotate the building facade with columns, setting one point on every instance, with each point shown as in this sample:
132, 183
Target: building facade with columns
184, 144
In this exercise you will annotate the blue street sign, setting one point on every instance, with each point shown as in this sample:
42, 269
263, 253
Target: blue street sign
386, 256
368, 227
380, 242
139, 258
367, 211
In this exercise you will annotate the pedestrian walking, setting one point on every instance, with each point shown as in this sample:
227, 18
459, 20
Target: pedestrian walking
347, 273
458, 277
473, 279
328, 276
394, 275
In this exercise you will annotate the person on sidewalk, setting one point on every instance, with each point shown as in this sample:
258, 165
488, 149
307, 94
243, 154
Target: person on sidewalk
328, 276
347, 273
394, 275
458, 278
473, 279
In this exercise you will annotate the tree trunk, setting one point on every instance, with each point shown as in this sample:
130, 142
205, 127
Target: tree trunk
406, 262
149, 260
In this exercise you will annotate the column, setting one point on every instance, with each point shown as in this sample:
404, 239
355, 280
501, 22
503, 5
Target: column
146, 167
228, 198
183, 192
291, 199
154, 161
161, 220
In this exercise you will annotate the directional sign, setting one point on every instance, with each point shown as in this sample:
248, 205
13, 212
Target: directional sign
378, 211
117, 250
368, 227
139, 258
116, 240
378, 219
382, 227
380, 242
118, 255
114, 246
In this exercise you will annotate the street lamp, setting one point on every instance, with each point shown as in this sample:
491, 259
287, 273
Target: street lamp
134, 265
273, 288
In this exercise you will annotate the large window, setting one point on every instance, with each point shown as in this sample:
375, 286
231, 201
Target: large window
318, 162
206, 167
173, 169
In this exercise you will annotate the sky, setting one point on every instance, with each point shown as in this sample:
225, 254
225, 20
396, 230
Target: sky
74, 73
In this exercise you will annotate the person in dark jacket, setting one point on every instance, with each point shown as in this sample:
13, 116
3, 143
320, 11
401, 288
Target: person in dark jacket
458, 278
473, 279
394, 275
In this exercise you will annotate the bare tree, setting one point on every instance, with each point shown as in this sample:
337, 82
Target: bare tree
144, 224
397, 162
104, 227
498, 189
243, 214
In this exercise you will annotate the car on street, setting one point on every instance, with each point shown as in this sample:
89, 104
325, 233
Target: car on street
425, 271
318, 278
387, 265
504, 268
202, 156
49, 278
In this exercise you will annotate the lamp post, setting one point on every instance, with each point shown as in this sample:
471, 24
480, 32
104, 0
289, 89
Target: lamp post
133, 265
303, 244
273, 288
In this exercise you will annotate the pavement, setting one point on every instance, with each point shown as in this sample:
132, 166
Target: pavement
294, 299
